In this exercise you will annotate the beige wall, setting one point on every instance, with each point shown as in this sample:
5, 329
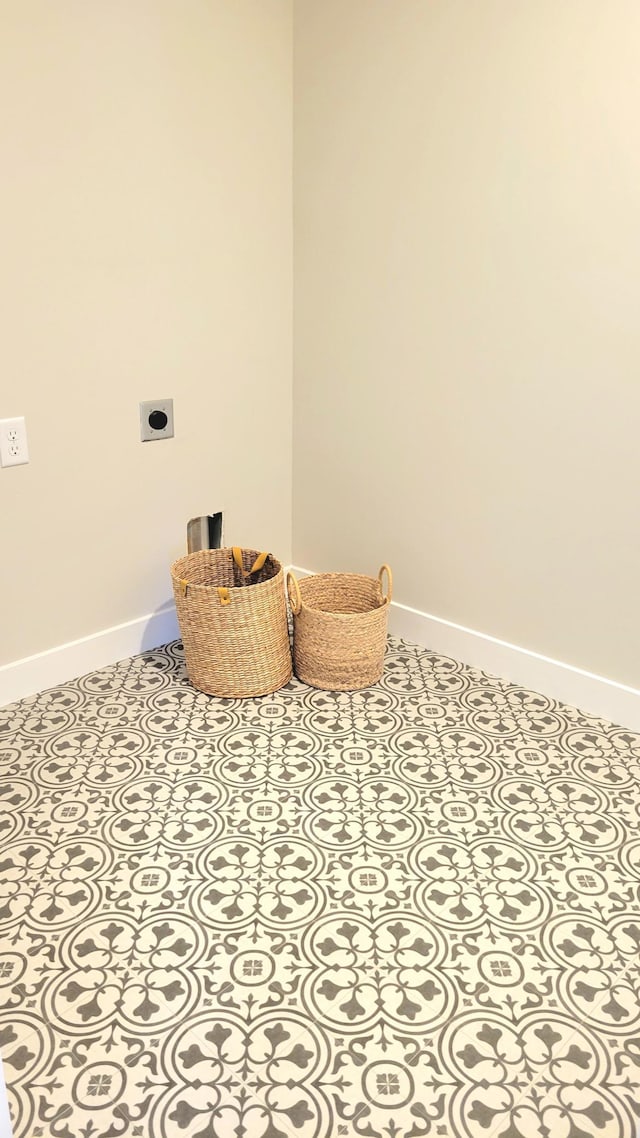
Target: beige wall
467, 313
467, 343
145, 253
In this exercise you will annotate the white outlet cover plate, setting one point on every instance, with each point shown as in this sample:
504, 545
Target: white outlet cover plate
13, 442
149, 434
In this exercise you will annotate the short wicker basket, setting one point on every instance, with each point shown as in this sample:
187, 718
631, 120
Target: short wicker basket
339, 628
232, 614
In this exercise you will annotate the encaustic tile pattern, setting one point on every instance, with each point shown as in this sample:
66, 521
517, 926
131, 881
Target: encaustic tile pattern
412, 910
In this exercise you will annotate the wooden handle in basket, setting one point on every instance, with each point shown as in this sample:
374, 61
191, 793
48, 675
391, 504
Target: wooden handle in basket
295, 600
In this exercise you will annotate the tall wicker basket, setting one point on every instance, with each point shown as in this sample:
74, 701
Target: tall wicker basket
339, 628
233, 621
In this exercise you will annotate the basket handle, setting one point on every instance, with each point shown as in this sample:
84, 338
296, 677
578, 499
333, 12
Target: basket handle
258, 563
224, 595
381, 572
295, 600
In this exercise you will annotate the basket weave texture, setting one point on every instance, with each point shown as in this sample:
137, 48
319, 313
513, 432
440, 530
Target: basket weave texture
339, 629
233, 622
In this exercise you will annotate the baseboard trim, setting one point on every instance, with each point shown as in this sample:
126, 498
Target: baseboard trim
593, 694
68, 661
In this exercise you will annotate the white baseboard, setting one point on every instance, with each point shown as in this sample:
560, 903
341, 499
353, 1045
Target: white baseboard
68, 661
593, 694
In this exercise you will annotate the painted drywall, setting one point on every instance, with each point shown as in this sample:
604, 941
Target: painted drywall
467, 289
146, 253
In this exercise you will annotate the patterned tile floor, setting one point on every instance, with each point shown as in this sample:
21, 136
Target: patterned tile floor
413, 910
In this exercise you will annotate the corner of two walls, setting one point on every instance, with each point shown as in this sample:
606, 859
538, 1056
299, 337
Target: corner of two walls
466, 349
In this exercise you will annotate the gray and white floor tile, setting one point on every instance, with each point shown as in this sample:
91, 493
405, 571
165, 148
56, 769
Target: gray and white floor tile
403, 912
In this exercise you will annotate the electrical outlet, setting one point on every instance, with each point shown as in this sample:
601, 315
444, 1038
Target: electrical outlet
156, 420
13, 442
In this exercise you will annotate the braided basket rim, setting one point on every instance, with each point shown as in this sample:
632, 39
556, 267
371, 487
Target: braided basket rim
329, 578
178, 576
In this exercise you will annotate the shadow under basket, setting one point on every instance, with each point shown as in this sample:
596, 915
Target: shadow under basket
339, 628
232, 614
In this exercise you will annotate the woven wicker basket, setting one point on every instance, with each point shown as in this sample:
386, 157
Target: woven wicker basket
339, 629
233, 621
